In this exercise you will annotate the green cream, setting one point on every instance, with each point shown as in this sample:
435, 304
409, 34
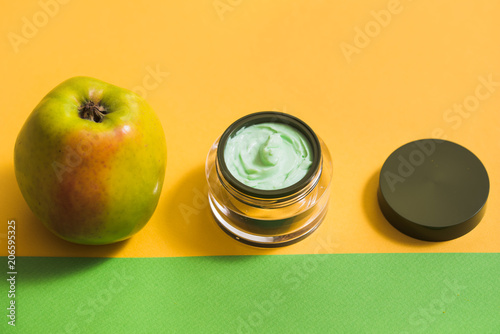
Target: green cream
268, 156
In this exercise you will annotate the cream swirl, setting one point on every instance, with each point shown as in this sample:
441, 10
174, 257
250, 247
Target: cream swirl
268, 156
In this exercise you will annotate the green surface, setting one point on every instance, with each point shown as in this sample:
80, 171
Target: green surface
365, 293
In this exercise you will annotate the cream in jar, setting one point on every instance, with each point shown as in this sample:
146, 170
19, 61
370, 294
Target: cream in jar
268, 179
268, 155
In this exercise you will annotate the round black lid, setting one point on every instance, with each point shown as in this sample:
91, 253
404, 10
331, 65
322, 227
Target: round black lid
433, 190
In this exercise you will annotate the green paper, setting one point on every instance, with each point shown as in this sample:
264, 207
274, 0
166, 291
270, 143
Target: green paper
348, 293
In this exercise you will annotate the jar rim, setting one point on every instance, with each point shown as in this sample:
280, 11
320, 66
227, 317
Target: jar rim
274, 117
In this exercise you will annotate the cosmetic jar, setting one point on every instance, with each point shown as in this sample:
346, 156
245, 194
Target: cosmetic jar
269, 217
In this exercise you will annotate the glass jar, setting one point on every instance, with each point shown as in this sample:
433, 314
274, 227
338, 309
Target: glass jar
269, 218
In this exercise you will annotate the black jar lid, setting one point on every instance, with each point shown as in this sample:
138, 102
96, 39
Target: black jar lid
270, 117
433, 190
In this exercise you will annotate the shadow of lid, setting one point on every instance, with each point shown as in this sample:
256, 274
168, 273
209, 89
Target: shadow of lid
379, 223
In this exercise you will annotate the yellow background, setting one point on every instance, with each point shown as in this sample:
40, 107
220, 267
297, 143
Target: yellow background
226, 59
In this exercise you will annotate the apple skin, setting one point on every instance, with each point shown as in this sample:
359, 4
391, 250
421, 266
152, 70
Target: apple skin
89, 182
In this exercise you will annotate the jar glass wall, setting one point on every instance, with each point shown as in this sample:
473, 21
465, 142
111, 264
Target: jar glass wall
269, 218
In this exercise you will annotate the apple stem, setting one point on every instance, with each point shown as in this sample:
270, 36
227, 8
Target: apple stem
92, 111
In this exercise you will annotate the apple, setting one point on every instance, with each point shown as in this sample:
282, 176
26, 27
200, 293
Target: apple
90, 161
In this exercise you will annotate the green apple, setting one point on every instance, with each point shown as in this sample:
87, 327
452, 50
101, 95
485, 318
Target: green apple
90, 161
